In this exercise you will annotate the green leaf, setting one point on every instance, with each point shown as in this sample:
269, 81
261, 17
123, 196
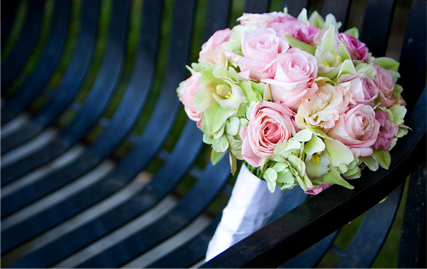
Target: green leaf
366, 69
216, 156
233, 164
216, 116
221, 144
382, 157
295, 43
270, 174
387, 63
331, 20
338, 152
316, 20
398, 89
347, 67
399, 113
354, 31
370, 162
333, 177
303, 135
232, 126
314, 145
302, 17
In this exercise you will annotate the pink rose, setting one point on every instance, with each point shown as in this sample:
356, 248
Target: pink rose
294, 78
387, 131
357, 129
213, 50
259, 20
260, 48
269, 124
289, 25
187, 96
354, 46
317, 189
323, 108
361, 88
385, 84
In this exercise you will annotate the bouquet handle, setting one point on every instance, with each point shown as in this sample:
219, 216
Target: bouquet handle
249, 207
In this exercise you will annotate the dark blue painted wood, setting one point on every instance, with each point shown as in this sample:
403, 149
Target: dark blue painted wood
9, 8
123, 119
190, 253
372, 233
311, 221
413, 57
412, 249
338, 8
45, 66
193, 204
257, 6
96, 102
179, 162
376, 29
24, 45
295, 6
70, 83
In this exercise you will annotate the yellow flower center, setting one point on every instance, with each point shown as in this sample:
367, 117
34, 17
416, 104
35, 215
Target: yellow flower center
228, 95
222, 89
326, 63
316, 158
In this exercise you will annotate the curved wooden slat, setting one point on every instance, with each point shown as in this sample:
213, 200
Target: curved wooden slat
70, 83
96, 102
295, 6
24, 45
9, 8
257, 6
338, 8
45, 66
372, 233
413, 57
376, 29
209, 184
412, 249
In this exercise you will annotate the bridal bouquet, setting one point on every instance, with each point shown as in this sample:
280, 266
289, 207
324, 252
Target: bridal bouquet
301, 103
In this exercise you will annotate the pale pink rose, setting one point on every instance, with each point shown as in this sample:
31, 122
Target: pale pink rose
289, 25
317, 189
323, 108
269, 124
385, 84
213, 50
357, 129
187, 96
260, 48
259, 20
354, 47
361, 88
387, 131
294, 78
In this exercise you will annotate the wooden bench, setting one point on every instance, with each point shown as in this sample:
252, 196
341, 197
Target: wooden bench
96, 208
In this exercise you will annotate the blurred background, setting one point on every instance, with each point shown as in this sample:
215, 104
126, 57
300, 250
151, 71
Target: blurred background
388, 255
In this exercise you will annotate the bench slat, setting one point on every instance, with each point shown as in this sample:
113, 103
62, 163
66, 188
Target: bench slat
70, 84
96, 102
24, 45
45, 66
210, 184
376, 29
257, 6
7, 18
413, 57
339, 8
295, 6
